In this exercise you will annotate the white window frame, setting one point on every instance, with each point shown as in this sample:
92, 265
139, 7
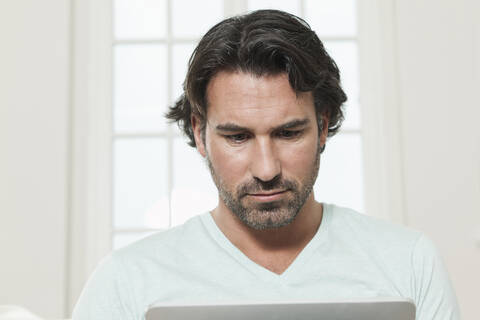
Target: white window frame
380, 103
91, 147
90, 229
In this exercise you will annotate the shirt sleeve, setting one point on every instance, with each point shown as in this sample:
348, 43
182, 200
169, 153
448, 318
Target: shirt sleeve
106, 294
434, 295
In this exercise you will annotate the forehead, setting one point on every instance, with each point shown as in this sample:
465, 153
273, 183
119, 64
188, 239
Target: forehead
255, 101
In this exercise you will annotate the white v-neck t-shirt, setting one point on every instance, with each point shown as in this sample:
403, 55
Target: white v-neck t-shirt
351, 256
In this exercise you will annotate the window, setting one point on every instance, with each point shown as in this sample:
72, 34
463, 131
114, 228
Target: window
158, 181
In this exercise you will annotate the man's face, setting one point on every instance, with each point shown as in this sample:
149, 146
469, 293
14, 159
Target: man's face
262, 147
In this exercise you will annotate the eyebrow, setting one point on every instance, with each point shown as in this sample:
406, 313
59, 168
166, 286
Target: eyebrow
232, 127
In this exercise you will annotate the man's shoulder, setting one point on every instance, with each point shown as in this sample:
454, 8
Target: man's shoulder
163, 242
120, 279
372, 230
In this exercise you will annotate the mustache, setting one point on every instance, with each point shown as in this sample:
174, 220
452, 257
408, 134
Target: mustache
258, 185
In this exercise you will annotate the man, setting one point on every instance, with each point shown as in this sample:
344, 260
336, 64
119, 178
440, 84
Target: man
261, 96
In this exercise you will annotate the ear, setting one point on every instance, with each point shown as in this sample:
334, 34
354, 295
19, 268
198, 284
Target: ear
324, 133
197, 133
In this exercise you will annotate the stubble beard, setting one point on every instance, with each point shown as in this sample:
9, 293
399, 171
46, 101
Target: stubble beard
267, 215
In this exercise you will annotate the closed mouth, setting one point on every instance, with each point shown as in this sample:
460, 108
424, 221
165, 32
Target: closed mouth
266, 194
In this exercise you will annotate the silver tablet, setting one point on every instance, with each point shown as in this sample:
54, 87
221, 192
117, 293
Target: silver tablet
377, 309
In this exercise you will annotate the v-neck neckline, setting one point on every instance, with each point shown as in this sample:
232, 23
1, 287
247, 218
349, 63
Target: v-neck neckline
259, 270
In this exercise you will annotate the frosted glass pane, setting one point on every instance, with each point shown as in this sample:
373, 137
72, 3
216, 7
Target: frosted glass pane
176, 130
140, 88
195, 18
332, 18
193, 189
136, 19
181, 55
340, 180
291, 6
352, 116
345, 54
140, 183
125, 238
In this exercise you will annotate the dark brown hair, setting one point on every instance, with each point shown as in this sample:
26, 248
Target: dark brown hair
263, 42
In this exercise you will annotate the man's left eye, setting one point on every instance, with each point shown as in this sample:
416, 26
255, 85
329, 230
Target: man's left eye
289, 133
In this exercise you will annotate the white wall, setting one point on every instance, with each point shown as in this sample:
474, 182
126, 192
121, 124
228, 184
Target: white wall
34, 104
420, 69
439, 80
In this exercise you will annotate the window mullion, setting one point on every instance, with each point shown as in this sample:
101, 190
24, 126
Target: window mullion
169, 102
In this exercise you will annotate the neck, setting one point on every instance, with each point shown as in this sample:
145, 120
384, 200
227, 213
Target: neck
290, 238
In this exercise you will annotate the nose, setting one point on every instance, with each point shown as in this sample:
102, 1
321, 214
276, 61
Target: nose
265, 164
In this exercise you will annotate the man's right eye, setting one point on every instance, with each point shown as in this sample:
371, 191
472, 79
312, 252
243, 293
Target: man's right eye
237, 138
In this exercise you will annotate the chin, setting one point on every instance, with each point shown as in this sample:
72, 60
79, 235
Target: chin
261, 219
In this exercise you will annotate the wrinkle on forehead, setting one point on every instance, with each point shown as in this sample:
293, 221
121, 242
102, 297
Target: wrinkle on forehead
246, 98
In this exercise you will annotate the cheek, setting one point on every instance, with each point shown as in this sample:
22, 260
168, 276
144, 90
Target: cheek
230, 164
298, 160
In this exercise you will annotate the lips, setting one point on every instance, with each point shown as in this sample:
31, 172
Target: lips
267, 196
263, 194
